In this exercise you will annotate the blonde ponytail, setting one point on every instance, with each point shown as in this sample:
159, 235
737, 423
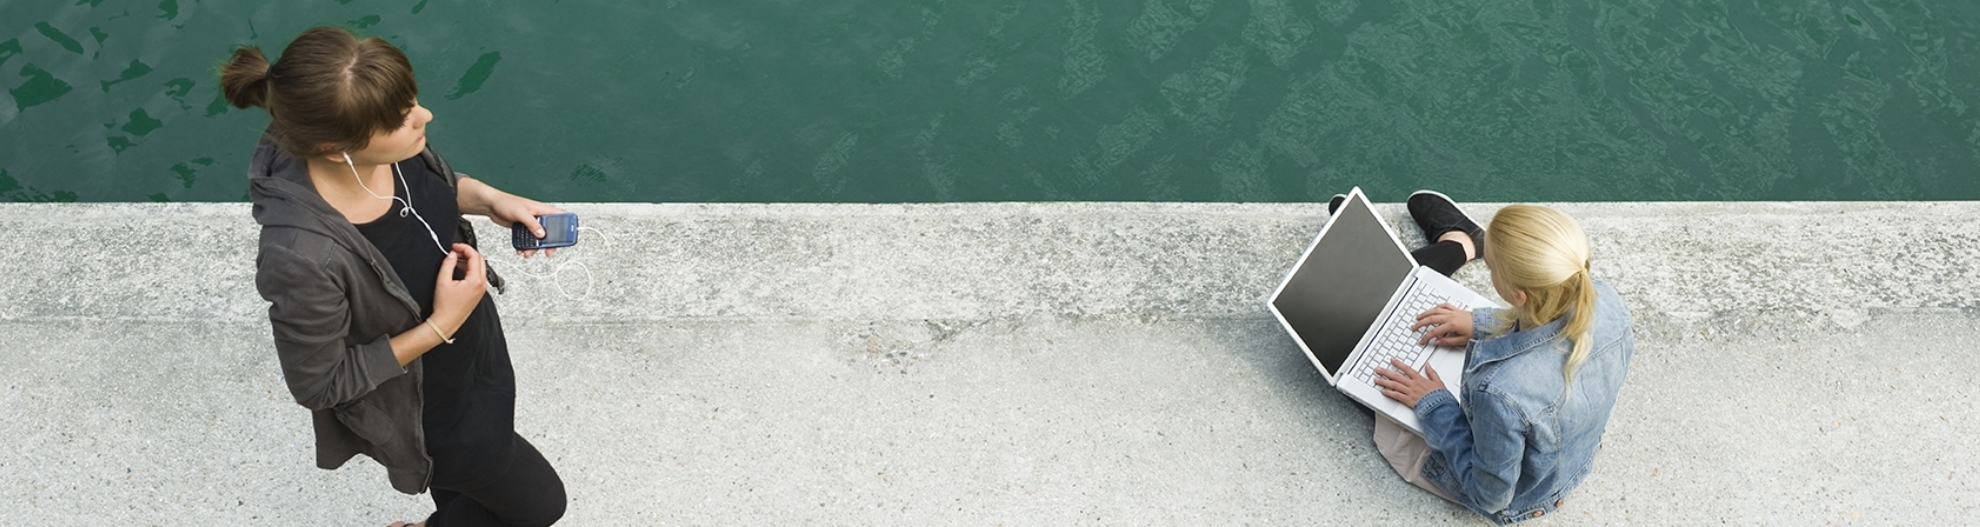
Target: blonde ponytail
1544, 253
1580, 327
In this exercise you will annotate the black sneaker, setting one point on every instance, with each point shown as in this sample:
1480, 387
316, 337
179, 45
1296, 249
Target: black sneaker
1335, 204
1436, 214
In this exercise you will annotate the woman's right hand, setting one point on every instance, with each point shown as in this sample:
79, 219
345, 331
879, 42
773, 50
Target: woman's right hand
454, 300
1450, 327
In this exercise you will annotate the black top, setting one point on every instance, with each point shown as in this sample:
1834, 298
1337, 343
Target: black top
470, 386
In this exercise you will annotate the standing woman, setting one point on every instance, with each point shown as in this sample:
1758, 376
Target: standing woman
376, 290
1540, 378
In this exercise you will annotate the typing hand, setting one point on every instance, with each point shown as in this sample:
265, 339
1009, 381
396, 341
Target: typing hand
1404, 385
1450, 327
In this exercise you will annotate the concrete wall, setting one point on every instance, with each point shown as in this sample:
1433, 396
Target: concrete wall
1107, 363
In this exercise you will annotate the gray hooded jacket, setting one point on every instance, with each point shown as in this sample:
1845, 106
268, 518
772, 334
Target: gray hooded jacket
334, 305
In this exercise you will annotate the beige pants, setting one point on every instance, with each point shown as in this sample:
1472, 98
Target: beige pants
1406, 453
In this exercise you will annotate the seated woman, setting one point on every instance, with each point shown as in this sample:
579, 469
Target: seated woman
1540, 378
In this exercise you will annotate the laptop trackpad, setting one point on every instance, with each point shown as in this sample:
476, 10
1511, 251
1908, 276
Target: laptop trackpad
1449, 363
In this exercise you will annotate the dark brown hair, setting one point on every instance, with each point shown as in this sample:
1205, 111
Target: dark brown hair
328, 88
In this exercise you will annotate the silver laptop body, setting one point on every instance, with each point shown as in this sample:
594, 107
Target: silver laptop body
1355, 285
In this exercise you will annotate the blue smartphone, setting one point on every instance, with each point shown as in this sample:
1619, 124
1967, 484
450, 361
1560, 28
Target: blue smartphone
559, 230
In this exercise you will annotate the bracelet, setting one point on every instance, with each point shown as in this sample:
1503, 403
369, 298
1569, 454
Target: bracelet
436, 331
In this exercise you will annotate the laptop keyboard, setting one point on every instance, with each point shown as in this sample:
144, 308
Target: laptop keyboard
1396, 340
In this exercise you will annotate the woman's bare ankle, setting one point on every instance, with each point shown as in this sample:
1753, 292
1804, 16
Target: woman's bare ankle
1464, 239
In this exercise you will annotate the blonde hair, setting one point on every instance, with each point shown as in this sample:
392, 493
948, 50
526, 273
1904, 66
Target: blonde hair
1544, 253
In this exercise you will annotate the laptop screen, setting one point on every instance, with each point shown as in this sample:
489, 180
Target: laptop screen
1342, 283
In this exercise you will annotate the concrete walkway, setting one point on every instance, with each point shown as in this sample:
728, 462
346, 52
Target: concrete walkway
970, 364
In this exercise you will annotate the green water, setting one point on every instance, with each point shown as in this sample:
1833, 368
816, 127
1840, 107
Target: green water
935, 100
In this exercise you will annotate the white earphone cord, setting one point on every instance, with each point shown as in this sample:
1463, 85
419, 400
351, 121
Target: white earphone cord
406, 206
568, 262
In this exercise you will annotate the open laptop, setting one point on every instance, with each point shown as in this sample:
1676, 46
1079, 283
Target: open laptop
1351, 299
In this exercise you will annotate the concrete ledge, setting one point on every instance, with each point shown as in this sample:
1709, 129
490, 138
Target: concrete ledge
1817, 263
1010, 362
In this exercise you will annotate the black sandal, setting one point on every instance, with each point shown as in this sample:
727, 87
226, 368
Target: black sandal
1437, 214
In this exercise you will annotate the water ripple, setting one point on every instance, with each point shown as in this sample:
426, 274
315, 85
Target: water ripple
472, 79
59, 37
1162, 23
1067, 99
1085, 65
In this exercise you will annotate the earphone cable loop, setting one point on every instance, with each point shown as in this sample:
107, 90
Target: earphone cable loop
405, 205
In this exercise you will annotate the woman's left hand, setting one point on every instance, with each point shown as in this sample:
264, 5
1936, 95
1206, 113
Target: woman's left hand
509, 209
1449, 326
1404, 385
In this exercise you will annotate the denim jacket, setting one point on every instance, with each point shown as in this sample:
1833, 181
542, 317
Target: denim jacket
1522, 439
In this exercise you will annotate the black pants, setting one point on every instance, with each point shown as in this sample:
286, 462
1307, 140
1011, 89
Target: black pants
528, 493
1443, 257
